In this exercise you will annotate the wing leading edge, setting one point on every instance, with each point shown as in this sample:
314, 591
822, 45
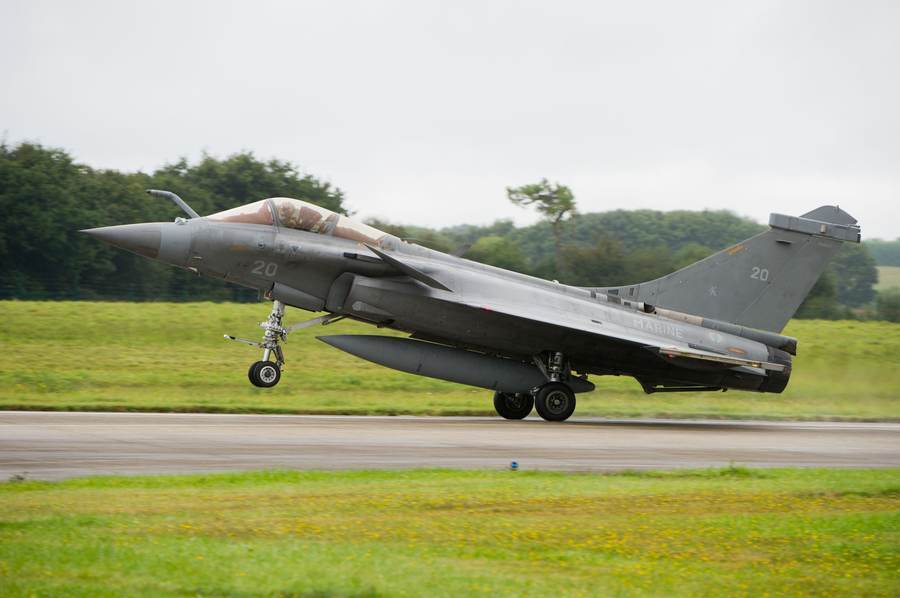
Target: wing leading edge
408, 270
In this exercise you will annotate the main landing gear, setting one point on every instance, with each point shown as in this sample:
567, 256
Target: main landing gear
554, 401
266, 373
513, 405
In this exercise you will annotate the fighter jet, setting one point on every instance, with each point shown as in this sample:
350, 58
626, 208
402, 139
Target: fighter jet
712, 326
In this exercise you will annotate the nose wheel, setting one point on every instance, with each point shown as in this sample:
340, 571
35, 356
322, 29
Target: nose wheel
267, 373
264, 374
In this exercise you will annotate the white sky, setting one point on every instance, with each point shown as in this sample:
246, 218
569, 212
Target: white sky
423, 112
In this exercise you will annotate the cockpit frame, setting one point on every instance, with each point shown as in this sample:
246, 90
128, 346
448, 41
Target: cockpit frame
296, 214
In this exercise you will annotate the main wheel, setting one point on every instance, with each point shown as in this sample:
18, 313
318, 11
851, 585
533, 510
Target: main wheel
513, 405
264, 374
555, 402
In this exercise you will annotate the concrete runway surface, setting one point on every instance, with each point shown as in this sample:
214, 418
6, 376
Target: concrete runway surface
56, 445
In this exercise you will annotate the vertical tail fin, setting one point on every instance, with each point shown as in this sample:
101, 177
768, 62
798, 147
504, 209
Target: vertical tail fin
759, 282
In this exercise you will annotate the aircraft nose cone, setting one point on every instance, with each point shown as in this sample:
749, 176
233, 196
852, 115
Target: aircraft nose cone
142, 239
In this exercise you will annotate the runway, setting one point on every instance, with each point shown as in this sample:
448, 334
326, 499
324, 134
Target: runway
58, 445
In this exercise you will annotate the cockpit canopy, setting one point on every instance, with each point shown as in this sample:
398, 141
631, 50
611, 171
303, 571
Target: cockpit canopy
302, 215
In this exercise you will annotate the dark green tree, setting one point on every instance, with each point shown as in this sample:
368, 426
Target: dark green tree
425, 237
647, 263
46, 198
468, 234
498, 251
554, 202
855, 274
598, 265
821, 303
216, 184
690, 253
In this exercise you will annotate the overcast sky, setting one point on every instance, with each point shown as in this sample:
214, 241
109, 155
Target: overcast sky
423, 112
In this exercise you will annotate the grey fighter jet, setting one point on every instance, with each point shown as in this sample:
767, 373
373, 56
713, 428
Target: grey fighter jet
712, 326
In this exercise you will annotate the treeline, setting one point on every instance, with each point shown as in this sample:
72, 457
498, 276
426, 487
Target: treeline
46, 197
886, 253
625, 246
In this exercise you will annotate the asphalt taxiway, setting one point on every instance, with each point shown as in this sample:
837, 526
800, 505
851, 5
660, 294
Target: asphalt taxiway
57, 445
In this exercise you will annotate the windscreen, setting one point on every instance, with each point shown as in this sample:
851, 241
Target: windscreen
293, 213
252, 213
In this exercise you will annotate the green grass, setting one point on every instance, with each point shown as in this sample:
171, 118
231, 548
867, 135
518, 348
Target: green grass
888, 278
171, 357
451, 533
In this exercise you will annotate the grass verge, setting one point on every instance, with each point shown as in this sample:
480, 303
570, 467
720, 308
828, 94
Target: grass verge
171, 357
441, 532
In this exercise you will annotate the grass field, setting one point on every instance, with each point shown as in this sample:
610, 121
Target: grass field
171, 357
450, 533
888, 278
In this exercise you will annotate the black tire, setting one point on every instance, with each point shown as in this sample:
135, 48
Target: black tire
264, 374
555, 402
251, 373
513, 405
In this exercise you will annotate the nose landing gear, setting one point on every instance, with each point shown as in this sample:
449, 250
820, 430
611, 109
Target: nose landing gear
266, 373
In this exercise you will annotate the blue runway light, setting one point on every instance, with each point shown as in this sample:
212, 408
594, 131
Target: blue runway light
514, 465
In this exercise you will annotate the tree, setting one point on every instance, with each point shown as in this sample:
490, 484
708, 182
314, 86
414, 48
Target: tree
821, 303
468, 234
217, 184
46, 198
499, 252
598, 265
425, 237
647, 263
855, 274
689, 254
554, 202
398, 230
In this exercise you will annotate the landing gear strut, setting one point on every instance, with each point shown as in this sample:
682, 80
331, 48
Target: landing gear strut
266, 373
554, 400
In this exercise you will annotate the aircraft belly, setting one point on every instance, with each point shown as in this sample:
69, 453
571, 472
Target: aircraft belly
410, 306
446, 363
